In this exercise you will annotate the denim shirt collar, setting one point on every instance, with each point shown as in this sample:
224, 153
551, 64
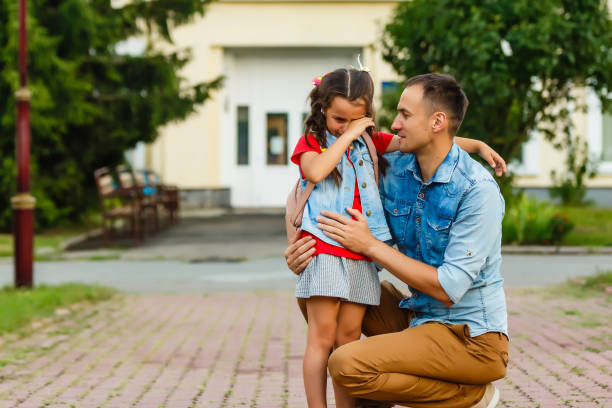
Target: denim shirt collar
445, 170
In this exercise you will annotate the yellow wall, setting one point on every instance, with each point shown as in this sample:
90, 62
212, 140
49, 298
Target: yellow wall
554, 159
187, 153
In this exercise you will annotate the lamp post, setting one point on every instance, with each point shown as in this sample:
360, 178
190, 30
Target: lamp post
23, 203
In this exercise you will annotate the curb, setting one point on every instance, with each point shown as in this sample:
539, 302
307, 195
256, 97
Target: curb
96, 232
223, 211
555, 250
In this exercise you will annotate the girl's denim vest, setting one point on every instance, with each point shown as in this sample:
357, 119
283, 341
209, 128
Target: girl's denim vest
329, 196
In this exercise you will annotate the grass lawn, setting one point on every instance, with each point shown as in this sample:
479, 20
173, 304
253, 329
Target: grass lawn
592, 226
19, 307
51, 238
587, 286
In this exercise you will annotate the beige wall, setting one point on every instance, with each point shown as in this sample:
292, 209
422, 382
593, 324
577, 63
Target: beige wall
187, 153
551, 158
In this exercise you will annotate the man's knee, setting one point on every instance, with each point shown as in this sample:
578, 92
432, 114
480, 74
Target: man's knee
498, 370
340, 365
343, 368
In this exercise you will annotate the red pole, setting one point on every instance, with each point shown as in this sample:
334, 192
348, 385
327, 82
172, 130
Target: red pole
23, 203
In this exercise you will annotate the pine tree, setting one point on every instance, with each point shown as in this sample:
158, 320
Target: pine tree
89, 103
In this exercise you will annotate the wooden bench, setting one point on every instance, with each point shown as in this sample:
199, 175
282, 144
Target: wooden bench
149, 201
169, 194
117, 203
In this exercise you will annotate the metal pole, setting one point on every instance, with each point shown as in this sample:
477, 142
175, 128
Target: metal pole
23, 203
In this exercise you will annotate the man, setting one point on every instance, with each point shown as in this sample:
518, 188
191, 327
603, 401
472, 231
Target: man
443, 346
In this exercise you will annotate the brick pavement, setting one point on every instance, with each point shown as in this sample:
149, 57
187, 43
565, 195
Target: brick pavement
244, 350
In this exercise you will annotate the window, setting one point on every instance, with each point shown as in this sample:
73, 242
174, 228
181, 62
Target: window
528, 163
599, 134
242, 119
277, 138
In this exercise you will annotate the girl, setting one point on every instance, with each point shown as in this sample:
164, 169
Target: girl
338, 284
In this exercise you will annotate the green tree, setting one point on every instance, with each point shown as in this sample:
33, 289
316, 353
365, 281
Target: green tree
519, 61
89, 103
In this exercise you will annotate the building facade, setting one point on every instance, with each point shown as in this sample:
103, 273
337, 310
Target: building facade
235, 149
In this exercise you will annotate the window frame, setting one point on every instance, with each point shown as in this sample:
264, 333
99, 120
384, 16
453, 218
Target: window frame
285, 153
246, 139
594, 130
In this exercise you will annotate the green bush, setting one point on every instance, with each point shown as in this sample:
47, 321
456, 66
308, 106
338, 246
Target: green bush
530, 221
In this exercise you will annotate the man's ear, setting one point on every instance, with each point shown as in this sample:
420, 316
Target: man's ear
439, 122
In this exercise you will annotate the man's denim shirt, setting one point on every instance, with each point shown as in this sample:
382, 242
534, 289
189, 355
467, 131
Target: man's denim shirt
329, 196
452, 222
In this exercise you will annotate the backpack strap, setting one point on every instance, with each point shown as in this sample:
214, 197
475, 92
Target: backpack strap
372, 149
303, 198
301, 202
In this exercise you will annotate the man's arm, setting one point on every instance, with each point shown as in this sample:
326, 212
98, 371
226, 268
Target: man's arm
417, 274
355, 235
473, 236
477, 227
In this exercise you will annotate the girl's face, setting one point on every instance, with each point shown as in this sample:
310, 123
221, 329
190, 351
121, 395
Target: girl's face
341, 112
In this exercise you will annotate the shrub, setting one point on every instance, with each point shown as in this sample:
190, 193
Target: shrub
530, 221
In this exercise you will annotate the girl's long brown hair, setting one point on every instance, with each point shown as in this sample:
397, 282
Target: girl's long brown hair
352, 84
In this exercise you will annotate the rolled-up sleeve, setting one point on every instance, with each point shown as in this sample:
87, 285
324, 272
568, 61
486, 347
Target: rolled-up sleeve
473, 235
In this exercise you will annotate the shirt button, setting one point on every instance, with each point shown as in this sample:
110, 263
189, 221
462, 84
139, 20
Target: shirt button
415, 295
421, 195
364, 185
418, 220
395, 211
418, 246
368, 213
361, 162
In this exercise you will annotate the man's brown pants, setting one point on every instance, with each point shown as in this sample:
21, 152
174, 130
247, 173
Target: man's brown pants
431, 365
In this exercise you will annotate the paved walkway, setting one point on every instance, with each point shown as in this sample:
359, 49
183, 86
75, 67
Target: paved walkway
244, 350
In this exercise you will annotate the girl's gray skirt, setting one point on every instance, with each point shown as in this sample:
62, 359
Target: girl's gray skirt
348, 279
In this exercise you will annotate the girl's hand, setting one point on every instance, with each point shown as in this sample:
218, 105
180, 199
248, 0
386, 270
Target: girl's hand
493, 158
357, 127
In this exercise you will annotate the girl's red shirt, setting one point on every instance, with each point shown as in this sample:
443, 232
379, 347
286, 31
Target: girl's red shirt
381, 142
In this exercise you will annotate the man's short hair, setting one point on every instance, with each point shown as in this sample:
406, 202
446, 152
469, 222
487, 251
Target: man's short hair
444, 94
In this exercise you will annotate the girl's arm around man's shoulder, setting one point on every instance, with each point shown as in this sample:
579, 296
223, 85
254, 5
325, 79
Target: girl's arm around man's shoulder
392, 143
